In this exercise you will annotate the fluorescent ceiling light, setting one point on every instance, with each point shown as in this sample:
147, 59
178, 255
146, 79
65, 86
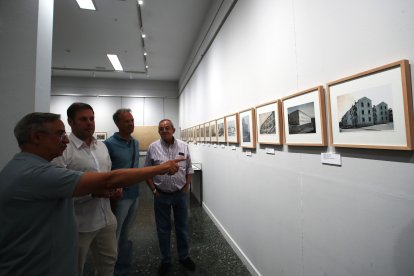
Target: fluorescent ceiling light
115, 62
86, 4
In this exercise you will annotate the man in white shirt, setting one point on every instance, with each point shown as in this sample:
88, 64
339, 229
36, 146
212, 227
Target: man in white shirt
96, 222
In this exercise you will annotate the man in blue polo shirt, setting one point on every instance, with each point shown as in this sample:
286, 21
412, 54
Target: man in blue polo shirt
38, 233
124, 152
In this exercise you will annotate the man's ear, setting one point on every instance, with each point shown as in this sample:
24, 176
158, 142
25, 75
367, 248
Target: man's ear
35, 137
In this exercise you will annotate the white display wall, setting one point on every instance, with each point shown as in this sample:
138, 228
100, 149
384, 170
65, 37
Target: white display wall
286, 213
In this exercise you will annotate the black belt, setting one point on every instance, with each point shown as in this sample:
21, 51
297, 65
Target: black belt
167, 193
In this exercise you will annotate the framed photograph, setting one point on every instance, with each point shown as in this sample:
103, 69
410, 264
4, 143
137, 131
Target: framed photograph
191, 134
372, 109
197, 134
207, 132
268, 123
247, 123
100, 136
232, 128
221, 135
202, 134
304, 118
213, 131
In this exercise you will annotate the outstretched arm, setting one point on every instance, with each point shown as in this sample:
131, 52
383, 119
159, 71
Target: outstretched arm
91, 182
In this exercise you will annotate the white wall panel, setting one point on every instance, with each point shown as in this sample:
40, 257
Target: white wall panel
287, 214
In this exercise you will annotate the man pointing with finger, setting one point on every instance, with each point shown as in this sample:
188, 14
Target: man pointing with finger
38, 231
171, 191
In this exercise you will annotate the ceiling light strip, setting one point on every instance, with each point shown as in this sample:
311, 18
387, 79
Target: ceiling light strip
115, 62
86, 4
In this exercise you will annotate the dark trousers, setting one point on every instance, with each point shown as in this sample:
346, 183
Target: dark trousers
163, 204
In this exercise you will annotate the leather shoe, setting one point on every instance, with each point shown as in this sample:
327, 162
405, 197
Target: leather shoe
164, 269
188, 263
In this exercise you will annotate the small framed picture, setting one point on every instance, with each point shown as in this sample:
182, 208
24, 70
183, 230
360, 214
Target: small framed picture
197, 133
269, 130
213, 131
202, 134
304, 118
372, 109
221, 135
247, 123
207, 132
232, 128
100, 136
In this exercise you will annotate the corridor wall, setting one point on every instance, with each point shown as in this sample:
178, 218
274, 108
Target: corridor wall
288, 214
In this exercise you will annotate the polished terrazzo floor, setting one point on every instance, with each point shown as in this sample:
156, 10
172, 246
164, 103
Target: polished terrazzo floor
208, 248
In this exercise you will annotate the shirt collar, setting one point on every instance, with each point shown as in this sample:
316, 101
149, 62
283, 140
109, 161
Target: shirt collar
78, 143
166, 144
119, 137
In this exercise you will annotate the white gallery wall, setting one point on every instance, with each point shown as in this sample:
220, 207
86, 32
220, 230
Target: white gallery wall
288, 214
150, 101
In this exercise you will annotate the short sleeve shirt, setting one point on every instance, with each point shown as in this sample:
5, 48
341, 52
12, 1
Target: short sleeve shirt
160, 152
122, 152
38, 234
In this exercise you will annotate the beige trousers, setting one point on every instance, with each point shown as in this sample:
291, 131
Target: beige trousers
103, 246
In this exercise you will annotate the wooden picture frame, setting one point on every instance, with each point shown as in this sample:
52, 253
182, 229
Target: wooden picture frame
213, 131
202, 134
268, 122
101, 136
372, 109
207, 132
247, 131
304, 122
232, 128
197, 131
221, 130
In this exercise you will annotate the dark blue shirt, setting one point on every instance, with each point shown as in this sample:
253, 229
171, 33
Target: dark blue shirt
121, 153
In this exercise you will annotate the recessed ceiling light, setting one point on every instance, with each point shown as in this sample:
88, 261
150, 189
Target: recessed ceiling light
145, 53
146, 66
115, 62
140, 2
86, 4
143, 35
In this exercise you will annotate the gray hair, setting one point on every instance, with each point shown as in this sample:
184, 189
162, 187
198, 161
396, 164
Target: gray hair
32, 122
163, 120
115, 117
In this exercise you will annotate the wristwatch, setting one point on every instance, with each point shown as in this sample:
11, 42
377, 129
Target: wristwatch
154, 191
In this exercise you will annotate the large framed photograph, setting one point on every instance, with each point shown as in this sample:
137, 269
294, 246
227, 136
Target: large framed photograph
247, 123
221, 127
232, 128
213, 131
372, 109
304, 118
268, 123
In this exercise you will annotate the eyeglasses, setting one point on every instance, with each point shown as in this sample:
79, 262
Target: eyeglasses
167, 128
62, 136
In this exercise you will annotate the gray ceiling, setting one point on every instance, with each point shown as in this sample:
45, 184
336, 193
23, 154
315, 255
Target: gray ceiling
82, 38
